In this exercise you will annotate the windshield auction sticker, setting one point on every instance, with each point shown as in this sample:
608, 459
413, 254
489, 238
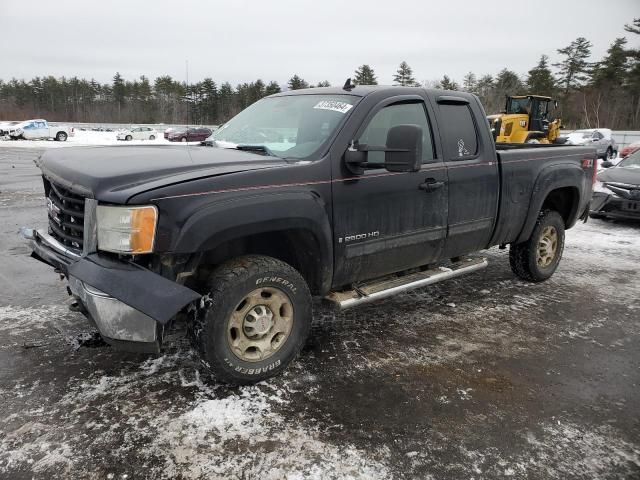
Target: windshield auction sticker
334, 105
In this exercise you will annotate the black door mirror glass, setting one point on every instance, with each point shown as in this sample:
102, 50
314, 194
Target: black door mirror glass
404, 149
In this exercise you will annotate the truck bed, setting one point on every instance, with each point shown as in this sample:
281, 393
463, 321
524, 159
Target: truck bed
525, 172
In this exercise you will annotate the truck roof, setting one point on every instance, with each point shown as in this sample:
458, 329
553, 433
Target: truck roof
362, 91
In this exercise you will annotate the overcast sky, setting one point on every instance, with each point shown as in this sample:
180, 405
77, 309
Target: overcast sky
240, 41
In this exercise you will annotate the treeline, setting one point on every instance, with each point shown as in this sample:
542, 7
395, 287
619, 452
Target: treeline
604, 93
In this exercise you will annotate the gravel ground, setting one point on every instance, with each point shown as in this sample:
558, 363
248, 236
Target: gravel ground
480, 377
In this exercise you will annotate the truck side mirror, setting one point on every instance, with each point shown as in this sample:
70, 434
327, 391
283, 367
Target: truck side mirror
606, 164
404, 149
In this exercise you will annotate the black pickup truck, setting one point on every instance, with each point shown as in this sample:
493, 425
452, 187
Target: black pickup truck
349, 194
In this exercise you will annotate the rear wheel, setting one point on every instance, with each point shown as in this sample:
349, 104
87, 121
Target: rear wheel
537, 258
256, 320
61, 137
152, 137
183, 139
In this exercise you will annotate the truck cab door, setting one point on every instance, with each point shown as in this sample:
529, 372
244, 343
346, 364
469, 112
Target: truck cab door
385, 221
474, 178
30, 131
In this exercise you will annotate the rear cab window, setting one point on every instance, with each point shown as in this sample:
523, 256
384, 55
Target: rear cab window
460, 135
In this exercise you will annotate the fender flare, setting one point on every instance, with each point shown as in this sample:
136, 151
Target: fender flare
550, 178
235, 218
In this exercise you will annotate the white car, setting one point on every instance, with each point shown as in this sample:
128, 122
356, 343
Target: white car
600, 138
40, 129
137, 133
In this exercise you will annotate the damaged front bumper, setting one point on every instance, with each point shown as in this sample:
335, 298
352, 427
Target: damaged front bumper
615, 207
128, 304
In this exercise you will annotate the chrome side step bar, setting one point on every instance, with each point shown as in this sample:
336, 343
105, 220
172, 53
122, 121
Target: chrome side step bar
393, 285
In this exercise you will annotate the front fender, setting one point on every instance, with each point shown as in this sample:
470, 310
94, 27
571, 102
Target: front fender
234, 218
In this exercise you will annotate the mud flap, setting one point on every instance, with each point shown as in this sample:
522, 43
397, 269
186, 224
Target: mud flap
585, 215
148, 292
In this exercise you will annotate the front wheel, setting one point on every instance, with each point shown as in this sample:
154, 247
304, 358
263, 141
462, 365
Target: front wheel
256, 319
128, 138
536, 259
152, 137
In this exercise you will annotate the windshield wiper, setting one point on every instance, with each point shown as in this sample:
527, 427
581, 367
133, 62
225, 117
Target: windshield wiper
256, 148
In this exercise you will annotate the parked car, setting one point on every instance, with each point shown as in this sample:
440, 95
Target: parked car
5, 127
364, 192
600, 138
137, 133
192, 134
629, 149
168, 131
616, 193
40, 130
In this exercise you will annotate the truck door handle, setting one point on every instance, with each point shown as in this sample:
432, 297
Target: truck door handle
430, 184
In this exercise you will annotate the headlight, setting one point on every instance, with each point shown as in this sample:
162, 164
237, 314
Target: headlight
126, 229
600, 188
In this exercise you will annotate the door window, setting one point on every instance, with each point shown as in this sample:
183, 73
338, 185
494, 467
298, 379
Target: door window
459, 130
390, 116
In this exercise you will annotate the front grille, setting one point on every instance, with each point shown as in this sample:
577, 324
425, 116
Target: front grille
66, 215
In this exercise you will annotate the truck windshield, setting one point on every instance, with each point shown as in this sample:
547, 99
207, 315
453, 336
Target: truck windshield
295, 126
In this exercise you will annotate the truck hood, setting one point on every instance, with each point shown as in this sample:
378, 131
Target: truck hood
115, 174
628, 175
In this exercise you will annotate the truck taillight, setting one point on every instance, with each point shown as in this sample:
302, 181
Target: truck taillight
591, 163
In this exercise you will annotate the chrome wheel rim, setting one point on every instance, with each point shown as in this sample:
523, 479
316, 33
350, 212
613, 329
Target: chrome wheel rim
260, 324
547, 247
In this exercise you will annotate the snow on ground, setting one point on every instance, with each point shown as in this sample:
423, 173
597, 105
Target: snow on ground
87, 138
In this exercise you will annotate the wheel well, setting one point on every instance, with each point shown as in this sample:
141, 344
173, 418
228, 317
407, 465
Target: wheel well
564, 201
298, 248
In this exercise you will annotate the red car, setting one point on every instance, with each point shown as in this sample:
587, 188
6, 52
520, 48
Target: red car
629, 149
189, 135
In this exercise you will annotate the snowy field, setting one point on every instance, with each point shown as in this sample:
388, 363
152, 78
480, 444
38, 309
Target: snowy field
482, 377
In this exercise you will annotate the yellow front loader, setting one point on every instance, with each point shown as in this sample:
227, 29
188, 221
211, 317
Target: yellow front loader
526, 119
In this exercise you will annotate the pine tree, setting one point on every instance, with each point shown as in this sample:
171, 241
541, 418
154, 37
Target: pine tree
272, 88
508, 83
611, 69
540, 80
632, 78
633, 27
119, 92
470, 83
404, 76
296, 83
447, 84
574, 69
364, 75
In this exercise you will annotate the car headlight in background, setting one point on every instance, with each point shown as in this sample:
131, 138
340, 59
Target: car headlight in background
126, 229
